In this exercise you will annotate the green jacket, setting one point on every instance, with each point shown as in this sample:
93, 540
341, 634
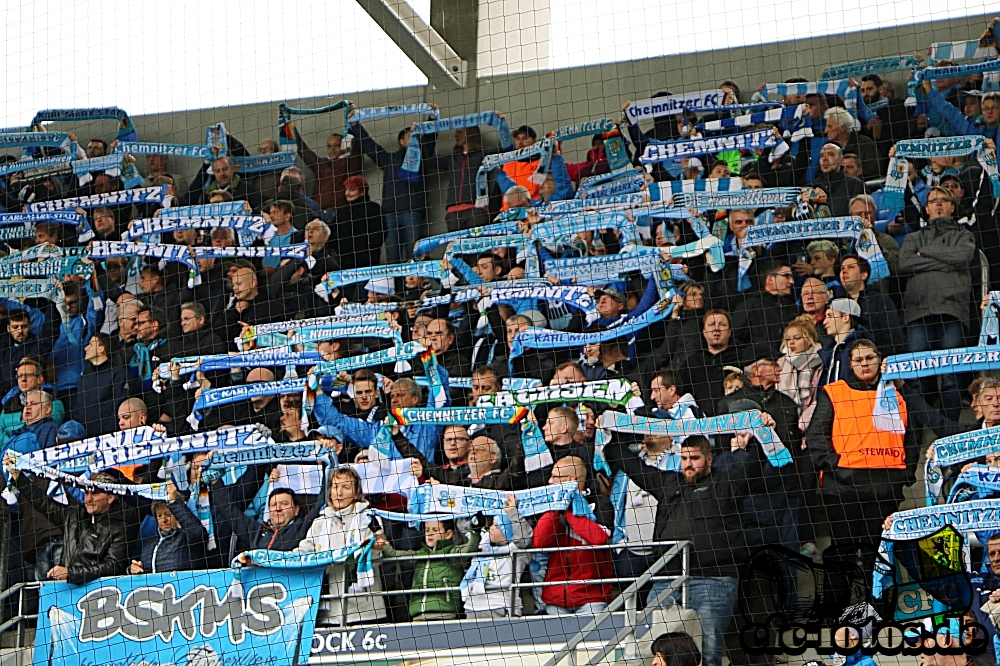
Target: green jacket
432, 573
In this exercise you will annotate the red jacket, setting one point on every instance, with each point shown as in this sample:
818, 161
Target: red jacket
561, 529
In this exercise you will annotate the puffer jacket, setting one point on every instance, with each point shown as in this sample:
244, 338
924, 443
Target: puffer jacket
94, 546
179, 549
937, 259
432, 573
332, 530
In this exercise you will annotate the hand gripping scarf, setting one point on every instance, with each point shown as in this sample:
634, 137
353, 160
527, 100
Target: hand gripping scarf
286, 128
956, 146
411, 161
541, 150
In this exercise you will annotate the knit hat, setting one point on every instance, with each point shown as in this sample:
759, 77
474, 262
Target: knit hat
356, 183
506, 527
70, 431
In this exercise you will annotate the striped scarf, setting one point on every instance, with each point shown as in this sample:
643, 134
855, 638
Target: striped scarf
411, 161
896, 180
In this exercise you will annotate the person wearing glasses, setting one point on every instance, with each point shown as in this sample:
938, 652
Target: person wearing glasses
936, 302
861, 470
761, 318
30, 377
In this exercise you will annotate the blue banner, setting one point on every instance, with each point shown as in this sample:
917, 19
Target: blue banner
265, 616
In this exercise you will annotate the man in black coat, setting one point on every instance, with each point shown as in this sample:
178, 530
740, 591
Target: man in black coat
762, 317
249, 304
878, 313
702, 373
95, 541
839, 187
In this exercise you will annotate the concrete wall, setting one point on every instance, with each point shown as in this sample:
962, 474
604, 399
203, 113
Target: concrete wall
547, 99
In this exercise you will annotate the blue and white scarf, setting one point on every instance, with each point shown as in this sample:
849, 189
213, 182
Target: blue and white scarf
299, 252
263, 358
540, 338
292, 452
974, 516
574, 296
781, 114
447, 416
425, 245
126, 130
296, 324
286, 128
977, 481
866, 244
152, 491
953, 71
216, 397
750, 421
180, 254
36, 139
31, 288
580, 130
411, 161
537, 454
541, 150
216, 137
886, 415
145, 195
860, 68
279, 559
168, 149
615, 202
659, 151
263, 163
627, 182
506, 384
68, 218
439, 498
769, 197
966, 446
309, 336
46, 268
114, 165
58, 163
404, 352
244, 225
839, 87
9, 233
972, 49
480, 244
605, 391
606, 269
438, 395
206, 210
896, 180
37, 252
672, 105
989, 331
429, 269
380, 112
571, 225
658, 191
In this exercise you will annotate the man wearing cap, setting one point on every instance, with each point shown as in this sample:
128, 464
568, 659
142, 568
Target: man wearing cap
841, 323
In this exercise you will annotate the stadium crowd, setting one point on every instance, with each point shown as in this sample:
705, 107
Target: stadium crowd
804, 343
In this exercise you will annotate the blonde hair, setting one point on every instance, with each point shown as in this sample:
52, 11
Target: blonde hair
804, 325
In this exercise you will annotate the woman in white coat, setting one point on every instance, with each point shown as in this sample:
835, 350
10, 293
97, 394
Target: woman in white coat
345, 521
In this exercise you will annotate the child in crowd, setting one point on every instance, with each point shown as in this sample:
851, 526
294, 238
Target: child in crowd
433, 573
486, 588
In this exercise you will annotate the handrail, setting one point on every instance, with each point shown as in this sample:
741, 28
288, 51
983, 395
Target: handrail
984, 275
617, 602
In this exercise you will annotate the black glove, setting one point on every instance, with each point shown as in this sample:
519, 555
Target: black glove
478, 522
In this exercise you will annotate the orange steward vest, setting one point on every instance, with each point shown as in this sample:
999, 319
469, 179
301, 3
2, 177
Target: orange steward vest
520, 173
855, 439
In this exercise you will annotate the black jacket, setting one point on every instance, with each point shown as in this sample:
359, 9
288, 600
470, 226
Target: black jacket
701, 374
761, 319
180, 549
398, 195
95, 402
358, 234
839, 188
856, 484
706, 512
880, 317
229, 503
93, 546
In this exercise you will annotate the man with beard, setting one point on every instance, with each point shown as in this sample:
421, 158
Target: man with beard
699, 505
892, 121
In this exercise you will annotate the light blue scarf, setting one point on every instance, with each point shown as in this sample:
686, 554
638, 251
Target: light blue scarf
145, 195
524, 244
216, 397
180, 254
425, 245
404, 352
770, 197
448, 416
658, 191
286, 128
58, 163
974, 516
279, 559
580, 130
660, 151
30, 288
781, 114
540, 338
46, 268
541, 150
616, 202
217, 138
989, 332
126, 130
966, 446
429, 269
605, 269
205, 210
437, 388
672, 105
967, 50
37, 139
982, 479
244, 225
299, 252
571, 225
263, 163
411, 161
575, 296
861, 68
168, 149
460, 501
625, 182
114, 164
950, 72
896, 180
750, 421
255, 359
839, 87
379, 112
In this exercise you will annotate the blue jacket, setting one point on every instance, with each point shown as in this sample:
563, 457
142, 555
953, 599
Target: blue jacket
361, 432
34, 437
179, 549
958, 123
95, 402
